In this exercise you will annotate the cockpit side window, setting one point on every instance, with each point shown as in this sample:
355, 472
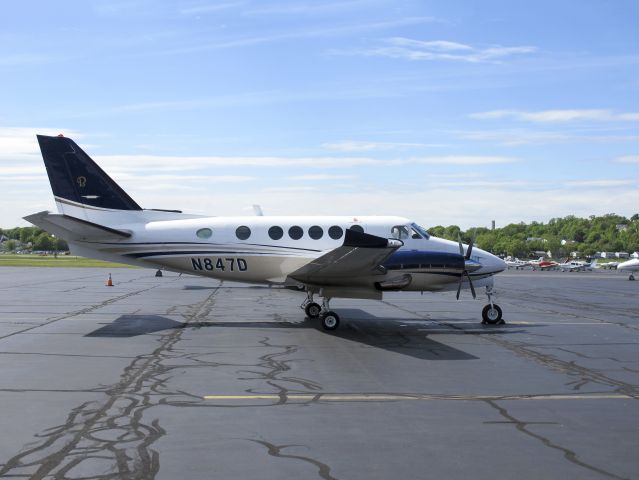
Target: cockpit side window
415, 234
399, 232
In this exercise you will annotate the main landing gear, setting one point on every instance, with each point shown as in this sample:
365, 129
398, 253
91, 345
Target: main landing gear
631, 277
491, 314
330, 320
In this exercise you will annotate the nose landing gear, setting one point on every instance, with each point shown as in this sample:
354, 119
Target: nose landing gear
491, 313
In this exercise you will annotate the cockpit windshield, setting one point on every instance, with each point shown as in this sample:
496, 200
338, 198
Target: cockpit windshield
421, 231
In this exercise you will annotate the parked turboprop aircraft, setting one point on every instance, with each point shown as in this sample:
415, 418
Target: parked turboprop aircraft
348, 257
629, 266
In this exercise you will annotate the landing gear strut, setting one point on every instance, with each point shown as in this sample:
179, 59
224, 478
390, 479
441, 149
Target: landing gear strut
491, 314
330, 319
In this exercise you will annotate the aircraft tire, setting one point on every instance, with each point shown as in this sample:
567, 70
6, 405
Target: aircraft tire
631, 277
330, 321
313, 310
492, 315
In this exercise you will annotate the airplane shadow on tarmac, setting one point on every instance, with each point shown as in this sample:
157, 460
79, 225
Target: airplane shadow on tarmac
391, 334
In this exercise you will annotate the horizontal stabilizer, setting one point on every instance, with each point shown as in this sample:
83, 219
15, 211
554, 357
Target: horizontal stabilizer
73, 229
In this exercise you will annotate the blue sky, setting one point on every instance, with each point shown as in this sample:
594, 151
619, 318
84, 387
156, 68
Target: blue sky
452, 112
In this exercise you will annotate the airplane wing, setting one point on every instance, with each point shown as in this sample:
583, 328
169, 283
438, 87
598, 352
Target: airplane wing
361, 254
75, 229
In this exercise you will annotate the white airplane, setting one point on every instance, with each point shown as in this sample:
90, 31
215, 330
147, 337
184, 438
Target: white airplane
577, 265
344, 257
629, 266
517, 264
608, 265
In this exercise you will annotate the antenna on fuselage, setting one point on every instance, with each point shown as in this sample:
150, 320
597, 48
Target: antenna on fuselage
258, 210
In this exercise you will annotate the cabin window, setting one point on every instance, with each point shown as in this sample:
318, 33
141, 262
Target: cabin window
315, 232
275, 233
295, 232
243, 232
204, 233
357, 228
335, 232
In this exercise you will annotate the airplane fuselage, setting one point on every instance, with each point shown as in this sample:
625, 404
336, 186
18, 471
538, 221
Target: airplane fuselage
267, 249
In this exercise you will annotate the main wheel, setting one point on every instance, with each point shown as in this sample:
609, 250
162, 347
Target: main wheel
330, 321
631, 277
491, 315
313, 310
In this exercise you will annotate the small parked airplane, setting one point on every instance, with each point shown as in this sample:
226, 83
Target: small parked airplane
347, 257
517, 264
546, 265
629, 266
577, 265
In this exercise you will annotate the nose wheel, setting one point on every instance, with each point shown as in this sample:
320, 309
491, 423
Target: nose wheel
491, 313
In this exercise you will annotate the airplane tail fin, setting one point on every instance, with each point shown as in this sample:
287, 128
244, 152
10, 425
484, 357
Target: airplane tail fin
76, 180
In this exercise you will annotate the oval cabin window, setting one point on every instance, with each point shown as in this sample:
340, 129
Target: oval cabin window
204, 233
357, 228
243, 232
295, 232
315, 232
335, 232
275, 233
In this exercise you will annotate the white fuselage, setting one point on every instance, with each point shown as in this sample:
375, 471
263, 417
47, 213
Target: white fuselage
629, 266
250, 249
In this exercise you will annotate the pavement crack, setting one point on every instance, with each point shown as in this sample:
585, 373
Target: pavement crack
111, 432
323, 470
568, 454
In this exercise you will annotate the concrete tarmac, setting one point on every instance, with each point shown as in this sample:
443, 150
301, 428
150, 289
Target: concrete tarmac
184, 377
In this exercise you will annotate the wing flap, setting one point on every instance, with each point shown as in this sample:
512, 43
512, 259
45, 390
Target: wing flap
361, 254
74, 229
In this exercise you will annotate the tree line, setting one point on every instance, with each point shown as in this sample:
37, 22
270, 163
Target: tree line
31, 239
560, 236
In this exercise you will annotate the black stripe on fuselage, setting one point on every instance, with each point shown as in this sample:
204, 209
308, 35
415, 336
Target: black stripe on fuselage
160, 244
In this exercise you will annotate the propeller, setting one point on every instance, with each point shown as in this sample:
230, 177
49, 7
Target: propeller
465, 272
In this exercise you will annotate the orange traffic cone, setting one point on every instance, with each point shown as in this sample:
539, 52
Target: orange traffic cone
109, 282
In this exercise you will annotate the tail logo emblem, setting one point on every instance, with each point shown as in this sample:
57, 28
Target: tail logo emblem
82, 181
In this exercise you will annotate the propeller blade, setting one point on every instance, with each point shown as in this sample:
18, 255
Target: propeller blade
461, 246
470, 248
470, 282
461, 279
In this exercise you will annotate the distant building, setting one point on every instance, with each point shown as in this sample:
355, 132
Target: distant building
622, 254
622, 227
607, 255
3, 238
635, 255
575, 254
536, 239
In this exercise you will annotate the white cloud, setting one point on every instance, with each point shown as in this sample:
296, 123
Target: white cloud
126, 163
558, 116
410, 49
602, 183
356, 146
320, 177
516, 137
628, 159
463, 160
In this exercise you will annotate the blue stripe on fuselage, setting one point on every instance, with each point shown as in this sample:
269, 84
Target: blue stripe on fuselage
403, 259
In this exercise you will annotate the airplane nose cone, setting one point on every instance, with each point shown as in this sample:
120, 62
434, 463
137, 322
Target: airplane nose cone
491, 263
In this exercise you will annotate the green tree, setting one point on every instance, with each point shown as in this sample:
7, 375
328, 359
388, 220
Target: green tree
43, 242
